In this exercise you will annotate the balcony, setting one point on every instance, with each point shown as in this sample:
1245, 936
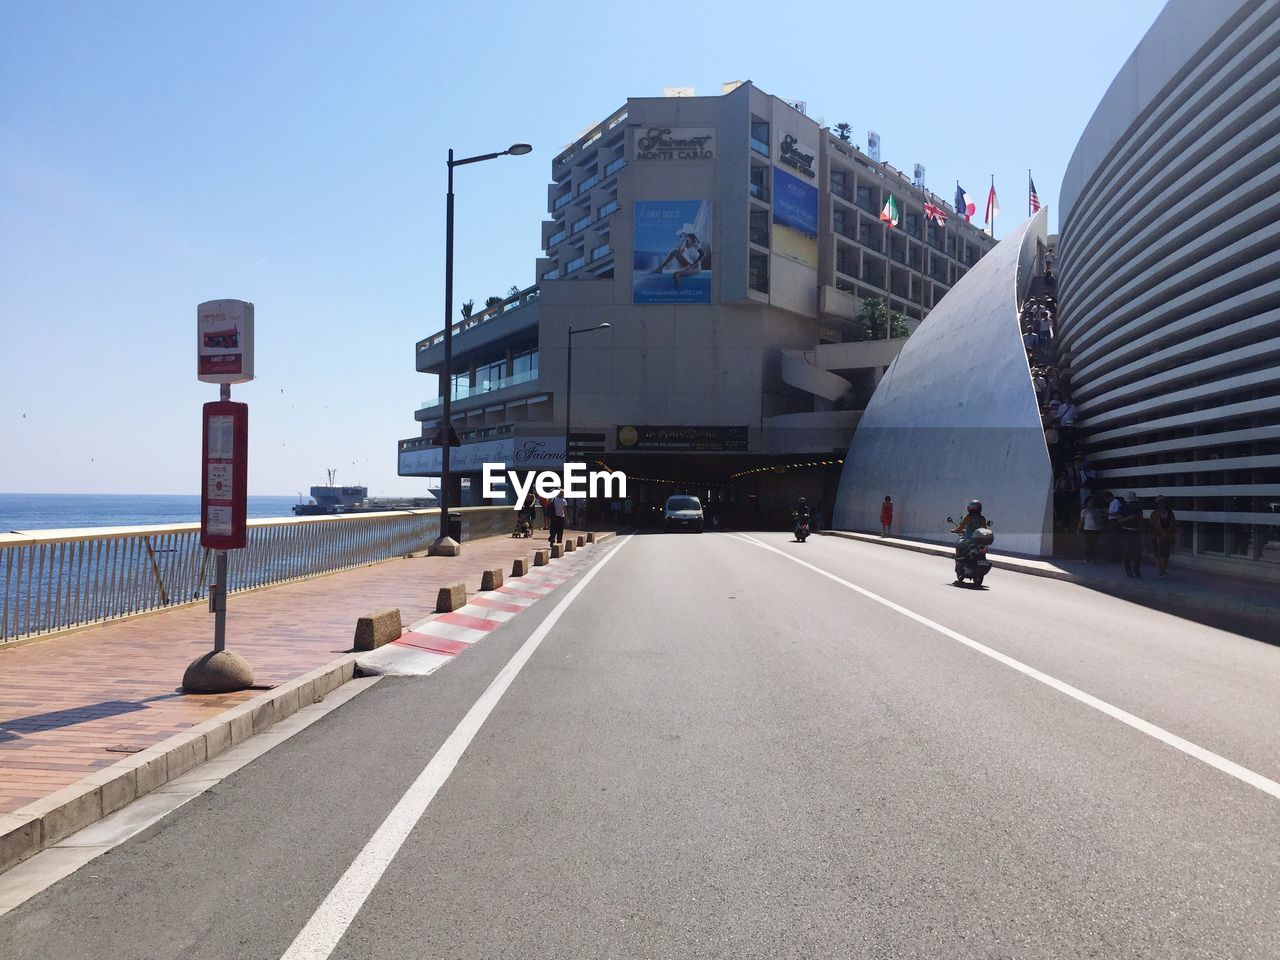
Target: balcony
760, 147
561, 200
580, 224
588, 183
494, 323
466, 392
608, 209
601, 251
574, 264
759, 191
614, 167
555, 238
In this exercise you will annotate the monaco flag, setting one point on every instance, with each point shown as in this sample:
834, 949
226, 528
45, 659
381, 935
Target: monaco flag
964, 203
993, 206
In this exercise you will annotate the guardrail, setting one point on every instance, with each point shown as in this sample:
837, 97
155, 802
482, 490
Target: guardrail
52, 580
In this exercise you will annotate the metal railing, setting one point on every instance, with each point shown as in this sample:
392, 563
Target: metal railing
52, 580
528, 295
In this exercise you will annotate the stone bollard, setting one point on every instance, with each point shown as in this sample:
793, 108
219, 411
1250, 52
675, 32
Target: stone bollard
591, 537
582, 541
520, 567
375, 629
570, 545
557, 551
540, 557
491, 579
451, 598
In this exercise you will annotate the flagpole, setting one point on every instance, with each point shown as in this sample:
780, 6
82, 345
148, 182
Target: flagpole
1028, 191
991, 207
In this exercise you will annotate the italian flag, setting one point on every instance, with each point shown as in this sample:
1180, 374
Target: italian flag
890, 212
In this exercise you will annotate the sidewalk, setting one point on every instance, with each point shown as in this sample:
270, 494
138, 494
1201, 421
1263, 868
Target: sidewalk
75, 704
1240, 605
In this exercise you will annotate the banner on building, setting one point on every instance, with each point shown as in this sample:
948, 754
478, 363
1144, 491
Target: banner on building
795, 218
675, 143
671, 260
682, 438
515, 453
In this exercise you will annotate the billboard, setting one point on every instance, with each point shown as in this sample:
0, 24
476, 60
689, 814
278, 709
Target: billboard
795, 218
682, 438
671, 259
224, 341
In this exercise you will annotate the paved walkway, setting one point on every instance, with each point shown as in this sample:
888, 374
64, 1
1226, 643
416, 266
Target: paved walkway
73, 704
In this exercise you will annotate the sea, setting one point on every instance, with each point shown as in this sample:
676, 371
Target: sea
59, 511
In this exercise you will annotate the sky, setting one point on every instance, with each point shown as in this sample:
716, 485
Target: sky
154, 155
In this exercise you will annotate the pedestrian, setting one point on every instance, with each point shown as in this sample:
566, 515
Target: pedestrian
1091, 525
1051, 438
1068, 413
1086, 476
1031, 342
558, 508
546, 511
1116, 550
1162, 527
1064, 497
886, 516
1131, 534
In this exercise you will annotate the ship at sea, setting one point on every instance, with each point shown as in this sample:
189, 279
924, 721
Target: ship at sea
333, 499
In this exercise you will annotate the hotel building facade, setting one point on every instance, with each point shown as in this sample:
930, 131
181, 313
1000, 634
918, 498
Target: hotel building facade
730, 242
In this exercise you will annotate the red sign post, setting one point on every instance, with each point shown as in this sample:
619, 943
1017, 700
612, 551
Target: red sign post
224, 475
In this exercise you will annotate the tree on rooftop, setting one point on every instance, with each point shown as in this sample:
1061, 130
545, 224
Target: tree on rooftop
467, 308
842, 131
492, 301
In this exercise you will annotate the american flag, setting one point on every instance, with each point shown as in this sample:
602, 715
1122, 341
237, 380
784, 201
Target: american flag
934, 212
1033, 200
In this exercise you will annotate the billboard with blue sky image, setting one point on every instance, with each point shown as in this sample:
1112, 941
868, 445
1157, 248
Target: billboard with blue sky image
795, 218
671, 262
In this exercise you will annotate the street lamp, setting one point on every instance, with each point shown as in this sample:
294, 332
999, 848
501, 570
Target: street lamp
445, 545
568, 388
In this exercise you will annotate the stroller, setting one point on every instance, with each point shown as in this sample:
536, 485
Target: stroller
524, 525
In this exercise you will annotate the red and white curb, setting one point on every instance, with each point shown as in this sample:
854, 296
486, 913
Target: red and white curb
432, 642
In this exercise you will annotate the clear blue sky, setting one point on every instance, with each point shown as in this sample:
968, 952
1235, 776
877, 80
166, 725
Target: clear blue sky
157, 154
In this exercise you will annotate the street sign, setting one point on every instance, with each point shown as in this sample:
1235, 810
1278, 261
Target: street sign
224, 341
225, 474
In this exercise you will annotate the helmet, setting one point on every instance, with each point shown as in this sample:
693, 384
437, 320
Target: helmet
975, 506
803, 500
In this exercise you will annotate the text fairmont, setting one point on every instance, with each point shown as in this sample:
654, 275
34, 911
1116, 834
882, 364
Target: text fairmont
577, 482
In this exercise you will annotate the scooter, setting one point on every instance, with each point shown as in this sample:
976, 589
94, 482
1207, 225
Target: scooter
972, 562
802, 529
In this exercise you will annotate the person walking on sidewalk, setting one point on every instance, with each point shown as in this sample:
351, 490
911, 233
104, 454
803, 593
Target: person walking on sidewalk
1091, 520
1130, 518
1162, 526
557, 509
886, 517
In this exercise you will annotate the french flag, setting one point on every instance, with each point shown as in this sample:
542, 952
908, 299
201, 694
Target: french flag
964, 203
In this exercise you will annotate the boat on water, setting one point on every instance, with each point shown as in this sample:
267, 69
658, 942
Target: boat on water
332, 499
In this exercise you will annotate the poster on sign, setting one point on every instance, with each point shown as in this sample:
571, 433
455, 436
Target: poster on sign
671, 252
224, 341
795, 218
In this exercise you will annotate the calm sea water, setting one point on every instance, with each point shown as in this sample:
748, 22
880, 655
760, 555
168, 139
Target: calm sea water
53, 511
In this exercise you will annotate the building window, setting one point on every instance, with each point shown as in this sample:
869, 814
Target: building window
870, 234
913, 256
873, 271
951, 246
581, 224
574, 264
759, 188
555, 238
758, 272
524, 366
840, 184
867, 197
609, 208
561, 200
601, 251
846, 263
489, 376
588, 183
615, 166
760, 137
911, 224
935, 236
552, 274
760, 227
898, 247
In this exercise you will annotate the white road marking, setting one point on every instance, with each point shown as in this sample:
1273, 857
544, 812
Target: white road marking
327, 925
1243, 774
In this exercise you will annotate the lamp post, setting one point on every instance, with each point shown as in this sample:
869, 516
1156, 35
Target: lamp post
568, 388
445, 545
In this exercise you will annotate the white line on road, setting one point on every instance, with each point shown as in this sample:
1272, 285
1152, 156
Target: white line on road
1228, 767
327, 925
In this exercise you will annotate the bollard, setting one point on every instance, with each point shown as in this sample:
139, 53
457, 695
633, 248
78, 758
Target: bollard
491, 579
377, 628
570, 545
557, 551
451, 598
540, 557
591, 537
582, 541
520, 567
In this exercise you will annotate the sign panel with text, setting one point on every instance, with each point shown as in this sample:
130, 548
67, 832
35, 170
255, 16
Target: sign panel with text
224, 475
224, 341
671, 261
795, 218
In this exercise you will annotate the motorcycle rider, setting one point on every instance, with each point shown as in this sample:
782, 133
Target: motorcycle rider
973, 519
801, 512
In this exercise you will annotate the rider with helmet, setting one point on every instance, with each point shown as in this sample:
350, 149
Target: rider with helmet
801, 509
973, 519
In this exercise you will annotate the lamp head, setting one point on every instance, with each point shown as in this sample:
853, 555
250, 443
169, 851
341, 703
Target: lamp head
519, 149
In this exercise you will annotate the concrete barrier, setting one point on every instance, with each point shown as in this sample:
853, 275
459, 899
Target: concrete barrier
541, 557
582, 540
377, 628
557, 551
451, 598
591, 537
520, 567
570, 545
491, 579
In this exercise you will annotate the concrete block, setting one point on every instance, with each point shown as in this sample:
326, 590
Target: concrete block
346, 671
119, 787
19, 838
65, 811
241, 726
451, 598
591, 538
152, 773
582, 540
264, 715
377, 628
557, 551
570, 545
541, 557
288, 701
491, 579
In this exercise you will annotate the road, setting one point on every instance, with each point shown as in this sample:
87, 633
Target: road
709, 749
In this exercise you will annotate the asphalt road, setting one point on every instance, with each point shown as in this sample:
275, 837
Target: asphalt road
719, 752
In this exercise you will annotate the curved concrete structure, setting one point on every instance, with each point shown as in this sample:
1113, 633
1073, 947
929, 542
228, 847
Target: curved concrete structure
955, 416
1169, 278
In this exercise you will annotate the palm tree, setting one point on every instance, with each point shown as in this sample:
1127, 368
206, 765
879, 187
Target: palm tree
492, 301
467, 308
842, 131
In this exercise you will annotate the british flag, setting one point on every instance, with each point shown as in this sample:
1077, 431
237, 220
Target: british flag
934, 212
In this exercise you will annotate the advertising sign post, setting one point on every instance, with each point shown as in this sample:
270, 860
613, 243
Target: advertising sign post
224, 355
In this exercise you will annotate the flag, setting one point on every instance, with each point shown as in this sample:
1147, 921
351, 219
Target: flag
934, 212
993, 206
1033, 199
964, 203
890, 212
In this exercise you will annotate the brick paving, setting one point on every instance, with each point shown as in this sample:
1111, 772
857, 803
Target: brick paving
66, 700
